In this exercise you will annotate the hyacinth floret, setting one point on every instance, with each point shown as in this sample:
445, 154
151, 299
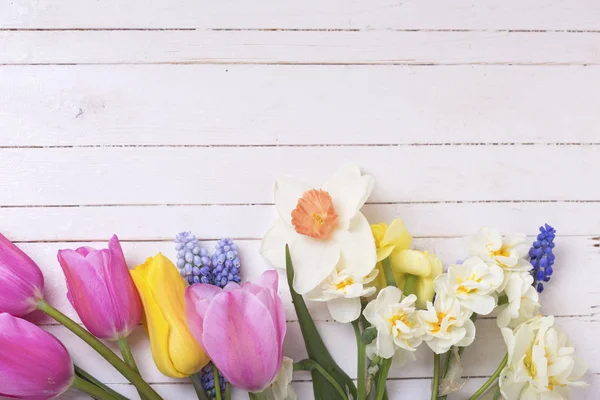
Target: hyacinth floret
225, 263
193, 261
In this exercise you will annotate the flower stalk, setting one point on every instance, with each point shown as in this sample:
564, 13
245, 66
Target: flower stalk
101, 348
217, 383
87, 377
311, 365
436, 376
128, 357
197, 383
361, 370
491, 379
91, 389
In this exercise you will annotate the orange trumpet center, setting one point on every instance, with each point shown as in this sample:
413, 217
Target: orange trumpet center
314, 215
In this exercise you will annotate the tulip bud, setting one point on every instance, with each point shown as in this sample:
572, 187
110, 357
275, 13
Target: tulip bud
162, 291
101, 290
33, 363
21, 281
241, 328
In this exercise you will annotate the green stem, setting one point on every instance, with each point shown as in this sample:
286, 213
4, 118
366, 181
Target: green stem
128, 357
436, 376
257, 396
410, 283
217, 383
388, 273
311, 365
91, 389
102, 349
382, 378
227, 391
491, 380
86, 376
362, 372
197, 383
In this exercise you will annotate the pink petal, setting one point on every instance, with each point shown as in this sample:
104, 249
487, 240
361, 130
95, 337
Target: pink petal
197, 300
240, 338
269, 279
33, 363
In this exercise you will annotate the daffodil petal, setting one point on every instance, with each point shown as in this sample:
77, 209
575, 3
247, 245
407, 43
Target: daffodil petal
287, 192
384, 252
358, 246
349, 190
410, 262
396, 235
313, 261
344, 310
272, 247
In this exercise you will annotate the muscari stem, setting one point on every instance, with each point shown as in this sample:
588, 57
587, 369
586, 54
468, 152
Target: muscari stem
88, 377
227, 391
128, 357
101, 348
362, 372
311, 365
436, 376
91, 389
197, 383
217, 383
491, 379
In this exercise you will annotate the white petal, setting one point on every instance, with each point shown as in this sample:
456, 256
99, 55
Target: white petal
349, 190
313, 261
272, 247
344, 310
482, 305
357, 245
469, 334
287, 192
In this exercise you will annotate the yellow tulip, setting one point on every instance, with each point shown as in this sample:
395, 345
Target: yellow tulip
175, 351
389, 239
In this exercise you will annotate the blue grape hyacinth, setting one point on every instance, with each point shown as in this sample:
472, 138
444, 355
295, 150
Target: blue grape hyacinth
193, 261
208, 381
225, 263
542, 258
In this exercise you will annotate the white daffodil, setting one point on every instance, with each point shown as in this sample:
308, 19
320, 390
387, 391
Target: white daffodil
342, 291
281, 388
323, 228
473, 283
446, 324
507, 252
395, 319
522, 301
541, 362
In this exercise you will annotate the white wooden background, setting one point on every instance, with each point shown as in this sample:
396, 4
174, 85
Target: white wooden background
145, 118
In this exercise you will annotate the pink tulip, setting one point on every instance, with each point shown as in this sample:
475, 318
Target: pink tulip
21, 281
241, 328
33, 363
101, 290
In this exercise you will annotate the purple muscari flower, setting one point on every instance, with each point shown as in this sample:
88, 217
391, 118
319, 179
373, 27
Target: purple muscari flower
542, 257
193, 261
226, 263
208, 381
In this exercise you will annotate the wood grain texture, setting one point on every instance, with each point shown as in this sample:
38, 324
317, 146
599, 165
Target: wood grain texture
300, 47
203, 105
313, 14
99, 176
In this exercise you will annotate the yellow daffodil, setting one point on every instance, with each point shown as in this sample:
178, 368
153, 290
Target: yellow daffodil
390, 238
162, 290
422, 264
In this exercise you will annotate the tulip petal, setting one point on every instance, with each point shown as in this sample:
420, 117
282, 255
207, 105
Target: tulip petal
269, 279
349, 190
287, 193
33, 363
197, 300
241, 340
359, 254
313, 260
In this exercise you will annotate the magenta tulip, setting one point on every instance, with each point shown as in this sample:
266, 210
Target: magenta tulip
241, 328
21, 281
101, 290
33, 363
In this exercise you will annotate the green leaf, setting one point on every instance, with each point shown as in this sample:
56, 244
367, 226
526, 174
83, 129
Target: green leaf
315, 347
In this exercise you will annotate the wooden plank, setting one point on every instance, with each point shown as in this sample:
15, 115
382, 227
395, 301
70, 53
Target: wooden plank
300, 47
267, 105
160, 223
481, 359
339, 14
576, 271
99, 176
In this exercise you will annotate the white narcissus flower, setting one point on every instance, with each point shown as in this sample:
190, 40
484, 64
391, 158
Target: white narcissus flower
522, 301
508, 252
446, 324
342, 291
473, 283
280, 388
395, 319
541, 362
323, 228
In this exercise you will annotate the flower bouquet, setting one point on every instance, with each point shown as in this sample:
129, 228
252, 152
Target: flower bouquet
206, 325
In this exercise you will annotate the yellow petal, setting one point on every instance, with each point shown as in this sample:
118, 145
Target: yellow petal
396, 235
162, 290
410, 262
424, 291
378, 232
384, 252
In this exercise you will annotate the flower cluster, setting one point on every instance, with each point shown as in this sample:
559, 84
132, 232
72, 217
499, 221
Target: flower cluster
542, 258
